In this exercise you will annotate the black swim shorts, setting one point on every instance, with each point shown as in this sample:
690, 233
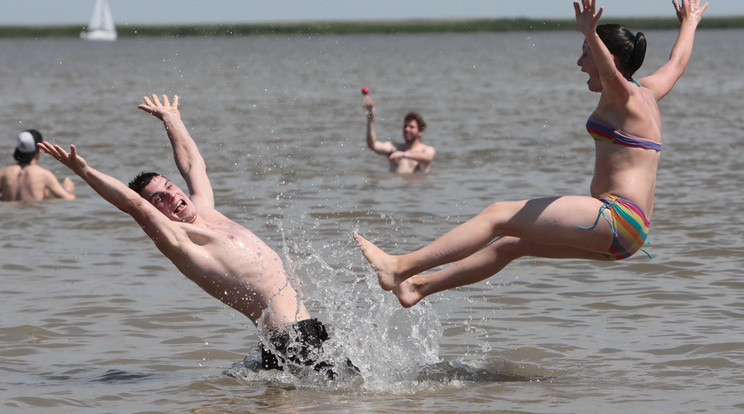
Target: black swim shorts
300, 344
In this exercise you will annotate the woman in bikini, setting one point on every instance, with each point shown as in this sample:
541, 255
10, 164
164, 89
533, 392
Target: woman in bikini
613, 223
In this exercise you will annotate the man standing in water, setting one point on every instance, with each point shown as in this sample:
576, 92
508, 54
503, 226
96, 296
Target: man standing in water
26, 180
409, 157
224, 258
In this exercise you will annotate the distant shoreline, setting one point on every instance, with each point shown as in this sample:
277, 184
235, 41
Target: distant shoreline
364, 27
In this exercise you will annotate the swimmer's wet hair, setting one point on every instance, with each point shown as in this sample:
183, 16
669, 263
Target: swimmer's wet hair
139, 182
629, 48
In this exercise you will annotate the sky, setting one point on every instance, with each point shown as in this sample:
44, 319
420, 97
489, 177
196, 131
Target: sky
71, 12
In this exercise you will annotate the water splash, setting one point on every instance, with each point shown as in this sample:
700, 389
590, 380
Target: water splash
396, 350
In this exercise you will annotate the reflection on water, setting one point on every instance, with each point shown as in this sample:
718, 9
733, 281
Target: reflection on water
96, 320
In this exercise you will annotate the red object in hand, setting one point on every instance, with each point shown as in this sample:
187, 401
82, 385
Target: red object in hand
365, 90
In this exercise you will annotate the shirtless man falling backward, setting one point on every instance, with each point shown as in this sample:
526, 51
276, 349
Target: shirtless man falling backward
224, 258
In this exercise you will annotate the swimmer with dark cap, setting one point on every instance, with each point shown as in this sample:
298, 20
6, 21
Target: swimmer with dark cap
26, 180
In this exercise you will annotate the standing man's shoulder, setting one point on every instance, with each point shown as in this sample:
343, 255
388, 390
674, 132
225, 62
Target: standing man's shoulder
429, 149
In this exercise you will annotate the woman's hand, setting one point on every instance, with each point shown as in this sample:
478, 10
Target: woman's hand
587, 19
689, 10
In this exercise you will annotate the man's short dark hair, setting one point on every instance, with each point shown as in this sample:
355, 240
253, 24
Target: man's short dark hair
139, 182
416, 117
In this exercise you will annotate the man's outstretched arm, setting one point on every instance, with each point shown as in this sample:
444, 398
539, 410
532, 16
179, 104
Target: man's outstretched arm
161, 230
189, 161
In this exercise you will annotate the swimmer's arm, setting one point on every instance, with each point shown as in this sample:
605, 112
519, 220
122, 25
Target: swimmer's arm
424, 155
162, 231
56, 189
189, 161
663, 80
382, 148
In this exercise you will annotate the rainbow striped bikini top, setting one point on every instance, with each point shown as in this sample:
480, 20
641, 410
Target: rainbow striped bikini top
603, 131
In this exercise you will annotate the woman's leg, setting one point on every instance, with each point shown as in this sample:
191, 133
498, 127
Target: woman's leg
550, 221
482, 265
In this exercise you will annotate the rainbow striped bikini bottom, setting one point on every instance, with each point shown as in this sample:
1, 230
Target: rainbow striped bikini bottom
629, 226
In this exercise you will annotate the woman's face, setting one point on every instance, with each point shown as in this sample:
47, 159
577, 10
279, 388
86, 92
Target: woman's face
589, 66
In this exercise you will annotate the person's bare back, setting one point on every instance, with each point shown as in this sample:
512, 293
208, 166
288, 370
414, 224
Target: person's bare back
30, 183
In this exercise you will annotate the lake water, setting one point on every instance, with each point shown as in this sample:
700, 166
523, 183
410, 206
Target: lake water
95, 320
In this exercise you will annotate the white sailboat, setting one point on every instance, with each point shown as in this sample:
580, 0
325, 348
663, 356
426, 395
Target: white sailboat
101, 26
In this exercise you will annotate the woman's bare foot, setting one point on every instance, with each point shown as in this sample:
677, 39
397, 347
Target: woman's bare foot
382, 263
407, 293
